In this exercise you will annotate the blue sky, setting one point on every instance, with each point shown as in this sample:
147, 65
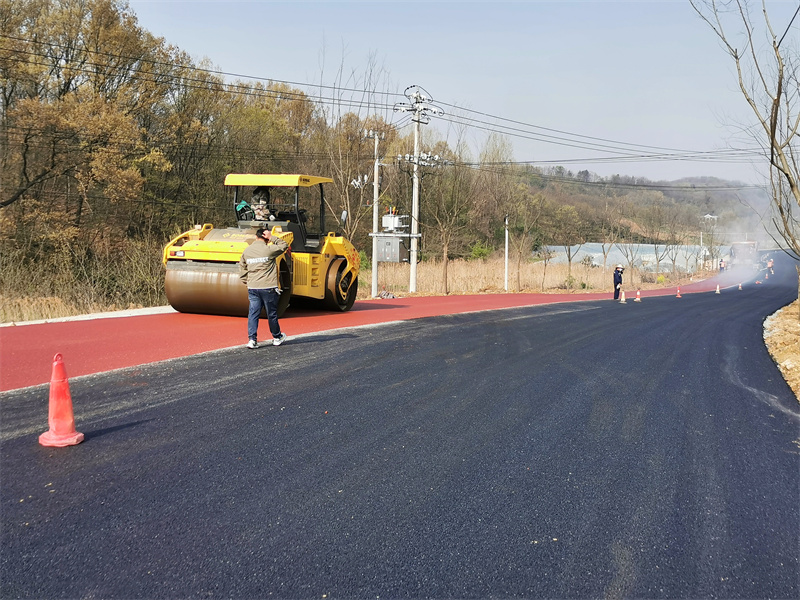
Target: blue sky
639, 72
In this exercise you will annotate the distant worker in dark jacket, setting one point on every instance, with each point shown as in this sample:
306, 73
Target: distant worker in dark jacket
618, 280
259, 272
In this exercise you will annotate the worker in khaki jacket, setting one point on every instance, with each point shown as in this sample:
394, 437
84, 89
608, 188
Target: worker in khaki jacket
259, 272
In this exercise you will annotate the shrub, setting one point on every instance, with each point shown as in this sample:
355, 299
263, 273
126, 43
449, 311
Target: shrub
366, 263
479, 250
568, 283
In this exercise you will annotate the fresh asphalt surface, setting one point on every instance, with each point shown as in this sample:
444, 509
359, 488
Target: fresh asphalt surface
580, 450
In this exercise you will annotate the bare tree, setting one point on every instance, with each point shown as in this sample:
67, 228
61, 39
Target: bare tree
497, 182
525, 209
569, 233
769, 82
656, 225
453, 196
340, 138
677, 240
609, 229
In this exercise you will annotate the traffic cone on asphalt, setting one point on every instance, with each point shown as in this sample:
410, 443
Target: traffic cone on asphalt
62, 422
622, 299
638, 296
679, 292
740, 286
717, 292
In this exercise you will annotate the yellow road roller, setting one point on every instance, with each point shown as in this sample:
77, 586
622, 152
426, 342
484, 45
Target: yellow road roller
320, 269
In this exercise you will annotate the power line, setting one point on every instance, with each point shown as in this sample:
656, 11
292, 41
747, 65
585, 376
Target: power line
190, 67
733, 155
625, 152
788, 26
558, 131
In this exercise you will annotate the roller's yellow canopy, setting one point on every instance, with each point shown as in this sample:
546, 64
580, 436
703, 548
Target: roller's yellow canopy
274, 180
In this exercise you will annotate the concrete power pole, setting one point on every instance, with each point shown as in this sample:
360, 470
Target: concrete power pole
413, 255
505, 285
375, 194
420, 106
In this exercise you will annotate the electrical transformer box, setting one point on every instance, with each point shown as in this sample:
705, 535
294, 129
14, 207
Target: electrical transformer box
395, 222
392, 249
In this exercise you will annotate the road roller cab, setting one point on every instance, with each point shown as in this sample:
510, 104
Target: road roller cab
321, 268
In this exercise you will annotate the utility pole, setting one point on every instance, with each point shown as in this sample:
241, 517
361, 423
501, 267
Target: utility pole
375, 194
506, 255
413, 257
420, 106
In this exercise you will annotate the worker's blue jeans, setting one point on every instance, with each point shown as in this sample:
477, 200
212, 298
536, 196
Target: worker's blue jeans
267, 298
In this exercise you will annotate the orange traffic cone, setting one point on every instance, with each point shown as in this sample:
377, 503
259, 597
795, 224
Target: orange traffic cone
679, 293
717, 292
62, 422
622, 300
638, 296
740, 286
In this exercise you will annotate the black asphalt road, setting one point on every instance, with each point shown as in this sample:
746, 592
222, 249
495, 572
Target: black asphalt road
583, 450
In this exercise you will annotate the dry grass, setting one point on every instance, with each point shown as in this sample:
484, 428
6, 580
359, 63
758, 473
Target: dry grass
782, 337
33, 309
488, 276
76, 280
25, 308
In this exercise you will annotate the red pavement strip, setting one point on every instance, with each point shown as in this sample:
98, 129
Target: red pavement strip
98, 345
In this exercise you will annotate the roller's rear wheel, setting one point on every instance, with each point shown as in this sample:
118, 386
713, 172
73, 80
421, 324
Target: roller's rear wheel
340, 289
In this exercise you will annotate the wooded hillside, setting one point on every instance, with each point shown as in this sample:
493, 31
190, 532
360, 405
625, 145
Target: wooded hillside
113, 141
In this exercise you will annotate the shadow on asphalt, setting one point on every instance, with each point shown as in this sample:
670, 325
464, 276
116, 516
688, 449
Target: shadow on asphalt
359, 306
309, 339
107, 430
